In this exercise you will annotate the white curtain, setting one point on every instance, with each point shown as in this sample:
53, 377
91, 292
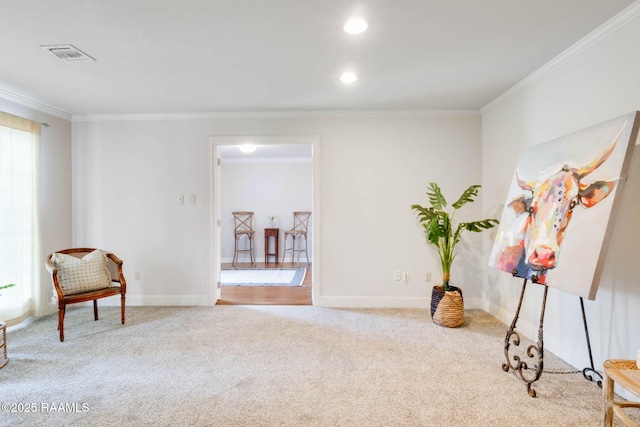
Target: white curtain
20, 254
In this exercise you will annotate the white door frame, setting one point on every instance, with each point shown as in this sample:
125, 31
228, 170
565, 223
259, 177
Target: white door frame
214, 196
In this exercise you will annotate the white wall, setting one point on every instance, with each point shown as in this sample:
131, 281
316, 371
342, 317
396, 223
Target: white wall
128, 173
277, 187
55, 181
599, 83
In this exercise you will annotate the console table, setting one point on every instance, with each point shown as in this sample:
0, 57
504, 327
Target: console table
627, 375
275, 233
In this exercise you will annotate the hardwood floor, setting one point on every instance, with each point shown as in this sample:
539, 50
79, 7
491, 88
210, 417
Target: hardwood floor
268, 295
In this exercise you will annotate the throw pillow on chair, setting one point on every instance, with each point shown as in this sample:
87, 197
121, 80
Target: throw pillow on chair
78, 275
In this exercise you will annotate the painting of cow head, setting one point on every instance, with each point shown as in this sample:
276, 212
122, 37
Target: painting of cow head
554, 185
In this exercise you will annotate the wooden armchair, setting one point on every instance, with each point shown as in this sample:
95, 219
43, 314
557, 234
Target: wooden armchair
93, 274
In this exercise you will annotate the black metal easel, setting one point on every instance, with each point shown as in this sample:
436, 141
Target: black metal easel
519, 365
592, 368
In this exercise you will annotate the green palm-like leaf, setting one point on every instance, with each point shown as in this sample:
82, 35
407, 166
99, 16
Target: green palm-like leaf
436, 198
485, 224
424, 214
439, 227
468, 196
10, 285
432, 232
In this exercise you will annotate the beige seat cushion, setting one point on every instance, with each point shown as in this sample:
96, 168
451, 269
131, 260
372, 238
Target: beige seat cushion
87, 274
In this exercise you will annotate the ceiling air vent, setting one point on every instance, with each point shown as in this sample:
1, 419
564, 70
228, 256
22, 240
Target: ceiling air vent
67, 52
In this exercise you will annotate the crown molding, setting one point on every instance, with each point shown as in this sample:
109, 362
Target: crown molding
45, 108
31, 103
276, 115
597, 35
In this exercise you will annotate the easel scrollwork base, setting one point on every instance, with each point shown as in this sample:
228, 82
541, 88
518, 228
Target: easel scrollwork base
534, 352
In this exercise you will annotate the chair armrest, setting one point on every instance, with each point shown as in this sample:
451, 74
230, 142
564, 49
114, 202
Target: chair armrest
118, 262
54, 277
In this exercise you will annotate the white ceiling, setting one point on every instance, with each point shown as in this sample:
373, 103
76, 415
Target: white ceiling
205, 56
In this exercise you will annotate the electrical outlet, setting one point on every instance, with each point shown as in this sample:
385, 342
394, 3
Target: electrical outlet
397, 276
137, 275
427, 277
406, 277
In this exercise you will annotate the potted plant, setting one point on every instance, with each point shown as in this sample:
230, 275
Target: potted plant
3, 336
6, 286
447, 305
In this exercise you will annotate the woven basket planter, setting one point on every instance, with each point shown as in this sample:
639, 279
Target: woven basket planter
3, 345
447, 308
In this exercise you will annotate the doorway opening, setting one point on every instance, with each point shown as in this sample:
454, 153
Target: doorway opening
281, 176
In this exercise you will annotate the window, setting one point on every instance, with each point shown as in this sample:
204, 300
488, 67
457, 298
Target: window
20, 256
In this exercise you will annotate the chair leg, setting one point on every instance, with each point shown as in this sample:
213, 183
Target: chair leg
306, 249
292, 249
61, 311
95, 309
284, 250
251, 249
122, 308
299, 238
235, 252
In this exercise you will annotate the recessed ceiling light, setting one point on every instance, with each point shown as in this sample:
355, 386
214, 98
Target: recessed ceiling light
348, 78
248, 148
355, 26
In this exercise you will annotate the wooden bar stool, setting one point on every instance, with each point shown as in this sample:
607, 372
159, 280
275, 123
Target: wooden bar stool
299, 230
243, 226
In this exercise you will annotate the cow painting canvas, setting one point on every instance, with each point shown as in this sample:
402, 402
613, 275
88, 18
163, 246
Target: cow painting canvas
560, 205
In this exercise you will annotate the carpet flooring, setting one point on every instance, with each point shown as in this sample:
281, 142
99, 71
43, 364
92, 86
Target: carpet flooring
279, 366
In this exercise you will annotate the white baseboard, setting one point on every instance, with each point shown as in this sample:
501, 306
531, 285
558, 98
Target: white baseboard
157, 300
387, 302
344, 302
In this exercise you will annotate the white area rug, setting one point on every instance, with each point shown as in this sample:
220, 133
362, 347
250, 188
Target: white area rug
263, 277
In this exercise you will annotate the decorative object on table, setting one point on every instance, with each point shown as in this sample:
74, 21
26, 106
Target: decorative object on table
4, 359
447, 305
273, 223
85, 274
584, 169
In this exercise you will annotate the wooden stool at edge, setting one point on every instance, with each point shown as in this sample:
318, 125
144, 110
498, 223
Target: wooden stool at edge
627, 375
